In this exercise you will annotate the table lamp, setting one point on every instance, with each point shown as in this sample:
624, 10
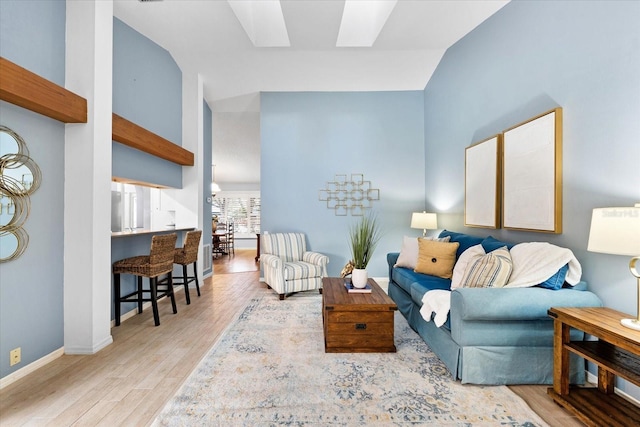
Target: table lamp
617, 231
424, 220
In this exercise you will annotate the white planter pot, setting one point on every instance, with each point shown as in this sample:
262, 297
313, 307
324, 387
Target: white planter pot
359, 278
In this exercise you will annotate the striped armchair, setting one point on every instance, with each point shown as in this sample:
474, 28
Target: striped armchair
288, 266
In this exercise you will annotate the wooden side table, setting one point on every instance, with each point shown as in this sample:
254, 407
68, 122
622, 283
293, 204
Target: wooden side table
617, 353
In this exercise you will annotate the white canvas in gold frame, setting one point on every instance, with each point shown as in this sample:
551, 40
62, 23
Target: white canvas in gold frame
482, 184
532, 174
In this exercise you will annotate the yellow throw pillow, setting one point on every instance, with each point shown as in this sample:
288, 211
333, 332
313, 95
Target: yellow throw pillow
408, 257
436, 258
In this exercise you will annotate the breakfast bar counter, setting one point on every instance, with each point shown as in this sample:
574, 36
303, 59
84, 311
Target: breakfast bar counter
140, 231
129, 243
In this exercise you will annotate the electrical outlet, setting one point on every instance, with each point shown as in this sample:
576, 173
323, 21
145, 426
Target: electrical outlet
15, 356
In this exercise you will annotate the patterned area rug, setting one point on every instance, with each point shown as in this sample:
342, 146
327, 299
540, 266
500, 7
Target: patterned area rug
270, 368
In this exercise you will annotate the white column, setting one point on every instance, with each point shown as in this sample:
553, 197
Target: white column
87, 188
191, 195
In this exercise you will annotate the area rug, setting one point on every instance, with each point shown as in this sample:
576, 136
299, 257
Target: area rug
270, 368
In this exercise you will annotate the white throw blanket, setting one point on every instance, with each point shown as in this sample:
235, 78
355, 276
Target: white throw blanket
437, 301
535, 262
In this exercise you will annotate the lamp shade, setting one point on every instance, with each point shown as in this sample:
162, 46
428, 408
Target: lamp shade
615, 231
424, 220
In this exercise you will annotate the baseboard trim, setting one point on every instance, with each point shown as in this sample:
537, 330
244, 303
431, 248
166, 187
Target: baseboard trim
89, 350
129, 314
382, 281
593, 379
30, 368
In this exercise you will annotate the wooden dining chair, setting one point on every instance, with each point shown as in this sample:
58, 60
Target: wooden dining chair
228, 240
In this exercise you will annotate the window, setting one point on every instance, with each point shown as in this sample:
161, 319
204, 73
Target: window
240, 208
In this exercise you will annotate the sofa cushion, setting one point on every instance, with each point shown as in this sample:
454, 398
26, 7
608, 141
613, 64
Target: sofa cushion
418, 289
301, 270
409, 253
462, 263
405, 278
436, 258
490, 270
465, 240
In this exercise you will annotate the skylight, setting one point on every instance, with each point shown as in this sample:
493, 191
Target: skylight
362, 21
263, 22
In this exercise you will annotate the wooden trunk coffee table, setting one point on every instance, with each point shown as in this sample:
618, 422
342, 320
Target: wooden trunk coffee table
356, 322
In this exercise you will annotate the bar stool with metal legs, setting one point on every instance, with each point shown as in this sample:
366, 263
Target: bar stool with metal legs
158, 262
186, 255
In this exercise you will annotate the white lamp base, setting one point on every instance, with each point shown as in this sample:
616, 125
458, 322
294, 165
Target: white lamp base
631, 323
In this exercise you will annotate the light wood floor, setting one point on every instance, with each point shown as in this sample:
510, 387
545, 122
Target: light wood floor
129, 382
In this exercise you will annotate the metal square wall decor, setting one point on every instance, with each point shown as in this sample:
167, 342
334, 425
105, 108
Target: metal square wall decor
352, 196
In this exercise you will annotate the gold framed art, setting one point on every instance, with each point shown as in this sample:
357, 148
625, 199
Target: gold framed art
532, 174
482, 172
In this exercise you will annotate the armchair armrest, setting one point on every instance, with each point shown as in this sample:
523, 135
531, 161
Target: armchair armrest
315, 258
515, 304
271, 261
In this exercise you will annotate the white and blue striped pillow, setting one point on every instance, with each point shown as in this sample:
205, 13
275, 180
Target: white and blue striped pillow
490, 270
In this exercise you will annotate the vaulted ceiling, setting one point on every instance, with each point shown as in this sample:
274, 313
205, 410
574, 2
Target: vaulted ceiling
207, 37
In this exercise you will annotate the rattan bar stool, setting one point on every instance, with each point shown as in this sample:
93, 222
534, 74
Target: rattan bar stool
158, 262
186, 255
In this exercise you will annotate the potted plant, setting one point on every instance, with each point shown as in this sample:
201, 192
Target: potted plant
363, 239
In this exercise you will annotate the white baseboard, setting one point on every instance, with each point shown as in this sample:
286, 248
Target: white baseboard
593, 379
89, 350
31, 367
382, 281
129, 314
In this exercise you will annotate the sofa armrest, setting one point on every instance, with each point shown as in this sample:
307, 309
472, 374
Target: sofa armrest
471, 304
392, 258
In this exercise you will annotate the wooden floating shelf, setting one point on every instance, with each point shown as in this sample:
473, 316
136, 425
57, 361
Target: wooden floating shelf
28, 90
134, 136
25, 89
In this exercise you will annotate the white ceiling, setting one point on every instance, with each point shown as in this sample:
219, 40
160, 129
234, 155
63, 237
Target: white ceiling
206, 37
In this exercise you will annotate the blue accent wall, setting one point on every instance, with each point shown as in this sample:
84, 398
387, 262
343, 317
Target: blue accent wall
307, 138
147, 90
32, 35
526, 59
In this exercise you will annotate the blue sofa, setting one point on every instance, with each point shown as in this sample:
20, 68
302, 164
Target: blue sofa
492, 335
